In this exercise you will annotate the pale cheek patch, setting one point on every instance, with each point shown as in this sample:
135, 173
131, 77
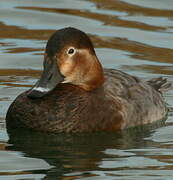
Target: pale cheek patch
66, 81
41, 89
69, 79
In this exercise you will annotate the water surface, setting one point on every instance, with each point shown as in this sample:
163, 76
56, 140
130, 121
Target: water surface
136, 37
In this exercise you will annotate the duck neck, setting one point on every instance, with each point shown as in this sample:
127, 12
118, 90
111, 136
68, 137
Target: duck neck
94, 77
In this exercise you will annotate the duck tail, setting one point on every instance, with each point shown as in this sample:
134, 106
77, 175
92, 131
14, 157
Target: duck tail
160, 84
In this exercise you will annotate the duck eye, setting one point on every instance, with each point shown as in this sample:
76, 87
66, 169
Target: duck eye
71, 51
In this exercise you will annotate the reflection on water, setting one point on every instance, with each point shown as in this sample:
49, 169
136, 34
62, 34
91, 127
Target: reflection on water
85, 154
135, 37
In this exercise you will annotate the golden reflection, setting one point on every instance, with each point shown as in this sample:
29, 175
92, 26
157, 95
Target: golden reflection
118, 5
6, 44
14, 173
2, 146
155, 69
20, 72
14, 32
74, 177
83, 158
23, 50
139, 50
10, 79
17, 85
106, 19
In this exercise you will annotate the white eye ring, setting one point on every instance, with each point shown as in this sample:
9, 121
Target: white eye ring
71, 51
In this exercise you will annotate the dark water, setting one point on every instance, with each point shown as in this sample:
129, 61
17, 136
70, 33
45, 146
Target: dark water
133, 36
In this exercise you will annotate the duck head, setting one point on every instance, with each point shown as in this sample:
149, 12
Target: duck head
69, 58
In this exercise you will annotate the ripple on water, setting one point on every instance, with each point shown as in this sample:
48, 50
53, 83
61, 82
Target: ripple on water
131, 36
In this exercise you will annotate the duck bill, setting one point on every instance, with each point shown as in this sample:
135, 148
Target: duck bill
48, 81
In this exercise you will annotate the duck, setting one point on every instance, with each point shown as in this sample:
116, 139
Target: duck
76, 94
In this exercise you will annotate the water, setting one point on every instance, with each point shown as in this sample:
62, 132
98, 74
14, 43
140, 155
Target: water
136, 37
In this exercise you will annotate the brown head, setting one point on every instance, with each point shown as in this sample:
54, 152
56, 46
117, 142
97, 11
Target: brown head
69, 58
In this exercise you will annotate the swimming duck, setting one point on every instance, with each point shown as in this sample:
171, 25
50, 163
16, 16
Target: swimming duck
75, 94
